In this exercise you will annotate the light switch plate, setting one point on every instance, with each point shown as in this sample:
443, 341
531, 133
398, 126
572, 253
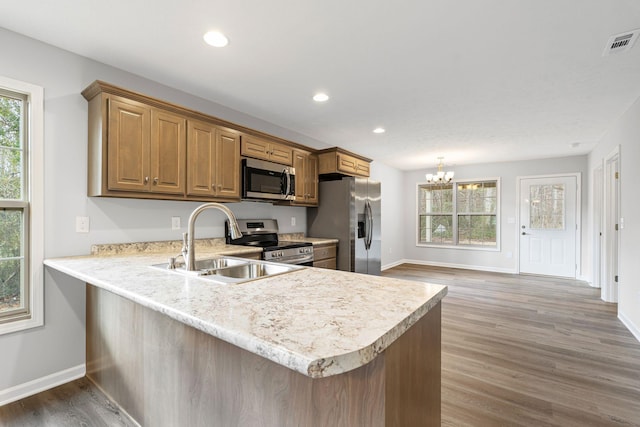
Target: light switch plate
82, 224
175, 223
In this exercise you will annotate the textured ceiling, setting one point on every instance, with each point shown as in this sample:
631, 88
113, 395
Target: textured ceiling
471, 80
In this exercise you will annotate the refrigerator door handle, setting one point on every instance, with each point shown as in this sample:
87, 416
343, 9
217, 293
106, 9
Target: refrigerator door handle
369, 219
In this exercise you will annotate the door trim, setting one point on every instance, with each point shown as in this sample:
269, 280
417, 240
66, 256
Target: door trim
598, 232
610, 251
578, 240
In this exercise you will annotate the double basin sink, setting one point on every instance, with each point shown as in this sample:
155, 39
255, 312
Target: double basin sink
226, 269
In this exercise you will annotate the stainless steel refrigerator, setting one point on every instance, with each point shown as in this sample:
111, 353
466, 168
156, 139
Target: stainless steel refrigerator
349, 211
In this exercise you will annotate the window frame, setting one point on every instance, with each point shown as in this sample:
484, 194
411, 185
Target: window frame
455, 214
32, 205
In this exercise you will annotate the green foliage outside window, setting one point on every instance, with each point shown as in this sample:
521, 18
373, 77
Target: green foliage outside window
462, 214
11, 189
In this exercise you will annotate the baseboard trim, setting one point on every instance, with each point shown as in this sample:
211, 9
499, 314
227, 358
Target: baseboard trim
393, 264
41, 384
630, 326
461, 266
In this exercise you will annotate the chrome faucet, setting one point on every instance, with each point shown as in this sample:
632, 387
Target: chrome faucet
188, 248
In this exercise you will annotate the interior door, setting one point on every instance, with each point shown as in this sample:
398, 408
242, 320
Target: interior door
548, 222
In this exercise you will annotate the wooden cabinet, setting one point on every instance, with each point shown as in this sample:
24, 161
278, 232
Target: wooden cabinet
214, 161
324, 256
146, 148
306, 166
141, 147
168, 152
338, 161
266, 150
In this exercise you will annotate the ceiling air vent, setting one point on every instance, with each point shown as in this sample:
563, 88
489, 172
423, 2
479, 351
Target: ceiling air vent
621, 42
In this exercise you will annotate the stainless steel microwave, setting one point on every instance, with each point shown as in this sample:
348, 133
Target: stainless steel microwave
267, 181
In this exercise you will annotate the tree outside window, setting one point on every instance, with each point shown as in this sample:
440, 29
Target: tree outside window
458, 214
13, 205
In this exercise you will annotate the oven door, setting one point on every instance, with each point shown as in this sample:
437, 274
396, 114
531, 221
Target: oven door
289, 258
266, 180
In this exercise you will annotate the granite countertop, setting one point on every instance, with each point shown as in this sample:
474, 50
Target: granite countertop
315, 321
316, 240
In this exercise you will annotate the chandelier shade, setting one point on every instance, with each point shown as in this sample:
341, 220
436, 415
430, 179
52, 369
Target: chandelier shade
440, 177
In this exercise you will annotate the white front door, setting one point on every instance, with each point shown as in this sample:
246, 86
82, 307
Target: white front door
548, 225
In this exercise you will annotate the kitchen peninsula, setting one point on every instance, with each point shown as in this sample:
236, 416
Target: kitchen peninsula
310, 347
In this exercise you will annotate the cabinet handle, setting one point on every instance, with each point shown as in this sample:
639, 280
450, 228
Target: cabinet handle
155, 181
146, 179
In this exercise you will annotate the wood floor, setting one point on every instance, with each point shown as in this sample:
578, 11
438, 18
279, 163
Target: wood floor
531, 351
516, 351
78, 403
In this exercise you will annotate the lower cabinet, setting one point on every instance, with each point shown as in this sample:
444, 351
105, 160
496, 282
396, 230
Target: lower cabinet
324, 256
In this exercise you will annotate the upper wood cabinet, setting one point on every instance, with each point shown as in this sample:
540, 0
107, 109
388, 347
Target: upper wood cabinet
266, 150
128, 154
138, 147
214, 161
145, 149
306, 167
168, 152
338, 161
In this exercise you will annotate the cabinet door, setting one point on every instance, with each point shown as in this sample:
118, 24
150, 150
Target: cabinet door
281, 154
306, 166
266, 150
312, 180
299, 164
168, 152
201, 138
347, 164
228, 164
128, 147
362, 168
255, 147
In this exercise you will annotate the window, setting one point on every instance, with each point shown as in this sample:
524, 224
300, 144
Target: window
546, 211
21, 287
460, 213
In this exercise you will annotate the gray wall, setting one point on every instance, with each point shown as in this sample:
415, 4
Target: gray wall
59, 344
392, 226
506, 259
625, 134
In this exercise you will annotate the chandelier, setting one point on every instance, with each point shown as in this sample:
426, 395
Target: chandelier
440, 177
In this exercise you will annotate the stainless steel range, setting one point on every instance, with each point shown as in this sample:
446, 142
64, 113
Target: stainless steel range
264, 233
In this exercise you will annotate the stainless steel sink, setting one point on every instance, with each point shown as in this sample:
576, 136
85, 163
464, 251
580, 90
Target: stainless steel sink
253, 270
217, 263
225, 269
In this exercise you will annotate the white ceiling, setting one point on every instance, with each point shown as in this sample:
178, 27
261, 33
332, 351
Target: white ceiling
471, 80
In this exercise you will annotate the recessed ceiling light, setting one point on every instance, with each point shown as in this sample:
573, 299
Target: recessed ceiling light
320, 97
379, 130
216, 39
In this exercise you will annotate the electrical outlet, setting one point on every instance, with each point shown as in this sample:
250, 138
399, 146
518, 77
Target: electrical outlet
82, 224
175, 223
293, 221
